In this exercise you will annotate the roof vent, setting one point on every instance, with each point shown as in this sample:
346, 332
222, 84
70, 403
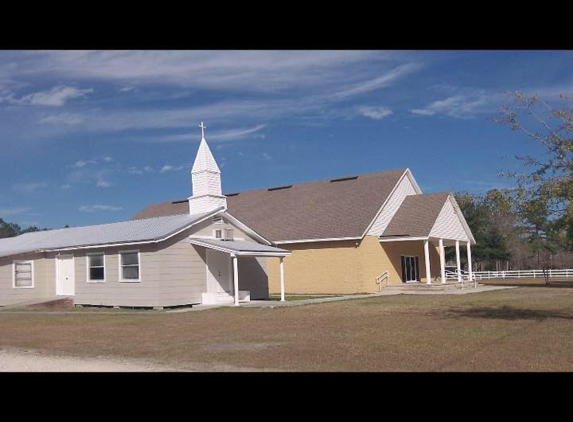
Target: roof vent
342, 179
280, 187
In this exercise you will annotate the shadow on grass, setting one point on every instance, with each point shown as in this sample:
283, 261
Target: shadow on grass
508, 313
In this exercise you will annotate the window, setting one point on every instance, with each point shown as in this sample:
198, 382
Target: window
96, 267
218, 234
129, 266
23, 274
228, 234
218, 219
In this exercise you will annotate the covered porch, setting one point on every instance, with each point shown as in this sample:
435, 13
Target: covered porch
223, 258
410, 267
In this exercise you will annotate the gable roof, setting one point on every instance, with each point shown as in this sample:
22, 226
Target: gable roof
323, 209
126, 232
417, 215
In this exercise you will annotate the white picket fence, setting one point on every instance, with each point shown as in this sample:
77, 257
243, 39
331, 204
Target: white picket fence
481, 275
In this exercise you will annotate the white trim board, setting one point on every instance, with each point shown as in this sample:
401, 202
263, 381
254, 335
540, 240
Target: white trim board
402, 239
333, 239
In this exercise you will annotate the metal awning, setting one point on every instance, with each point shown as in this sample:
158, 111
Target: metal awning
239, 247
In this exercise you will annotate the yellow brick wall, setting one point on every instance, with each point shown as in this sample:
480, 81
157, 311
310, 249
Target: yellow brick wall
344, 266
322, 267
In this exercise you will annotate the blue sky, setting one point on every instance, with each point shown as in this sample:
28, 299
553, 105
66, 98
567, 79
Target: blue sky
93, 137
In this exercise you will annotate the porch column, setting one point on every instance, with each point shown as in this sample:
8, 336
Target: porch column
427, 257
470, 270
282, 279
458, 261
236, 278
442, 262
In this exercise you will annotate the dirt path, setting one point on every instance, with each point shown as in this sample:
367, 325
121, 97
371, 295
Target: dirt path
14, 360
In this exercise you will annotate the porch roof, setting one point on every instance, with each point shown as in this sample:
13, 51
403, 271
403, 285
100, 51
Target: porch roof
239, 247
428, 216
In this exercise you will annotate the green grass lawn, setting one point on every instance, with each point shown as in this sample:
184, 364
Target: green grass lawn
522, 329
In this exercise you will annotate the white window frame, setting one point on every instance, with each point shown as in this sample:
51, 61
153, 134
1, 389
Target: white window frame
218, 219
88, 280
129, 280
226, 234
222, 234
22, 261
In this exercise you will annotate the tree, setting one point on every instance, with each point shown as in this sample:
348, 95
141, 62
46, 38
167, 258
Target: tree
13, 229
544, 192
481, 214
8, 229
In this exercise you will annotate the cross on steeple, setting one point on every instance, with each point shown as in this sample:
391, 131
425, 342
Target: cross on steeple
203, 127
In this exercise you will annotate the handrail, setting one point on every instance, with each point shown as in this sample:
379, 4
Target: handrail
384, 276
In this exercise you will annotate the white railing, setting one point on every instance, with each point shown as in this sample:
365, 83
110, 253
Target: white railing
453, 275
551, 273
380, 280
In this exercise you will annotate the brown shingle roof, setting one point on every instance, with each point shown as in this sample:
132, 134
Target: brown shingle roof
417, 215
312, 210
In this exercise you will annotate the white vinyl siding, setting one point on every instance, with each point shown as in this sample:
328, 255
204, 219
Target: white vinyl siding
130, 268
448, 224
23, 272
95, 268
405, 188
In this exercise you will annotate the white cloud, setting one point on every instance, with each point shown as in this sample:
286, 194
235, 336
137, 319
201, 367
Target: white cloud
169, 167
108, 159
5, 211
29, 187
134, 170
79, 164
225, 135
464, 105
376, 113
93, 208
148, 169
222, 70
103, 184
65, 187
378, 82
63, 118
56, 97
127, 88
266, 156
274, 84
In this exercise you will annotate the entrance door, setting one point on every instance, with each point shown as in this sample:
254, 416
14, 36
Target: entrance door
65, 283
219, 272
410, 268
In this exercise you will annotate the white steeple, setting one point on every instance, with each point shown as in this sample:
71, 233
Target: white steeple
206, 180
